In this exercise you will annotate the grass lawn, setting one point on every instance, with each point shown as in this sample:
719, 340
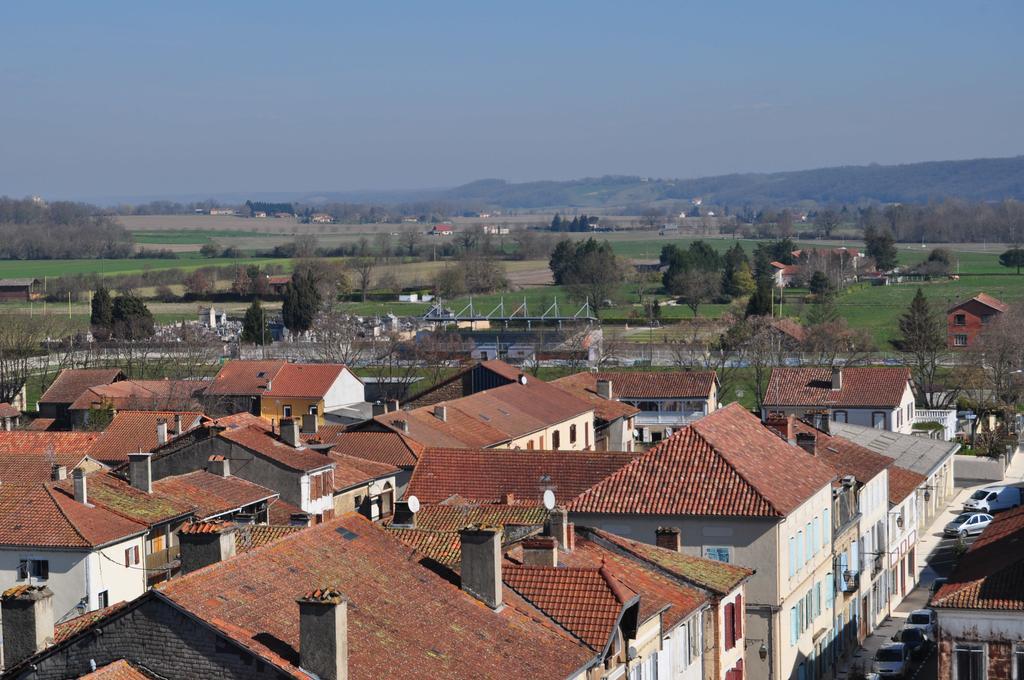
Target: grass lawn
52, 268
196, 236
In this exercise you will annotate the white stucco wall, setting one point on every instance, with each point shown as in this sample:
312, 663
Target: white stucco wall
347, 389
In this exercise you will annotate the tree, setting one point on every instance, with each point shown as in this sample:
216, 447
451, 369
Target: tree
819, 285
742, 282
834, 343
880, 245
923, 342
255, 329
102, 317
209, 249
363, 267
826, 222
198, 283
411, 239
1014, 257
450, 282
694, 288
301, 301
588, 268
132, 320
484, 275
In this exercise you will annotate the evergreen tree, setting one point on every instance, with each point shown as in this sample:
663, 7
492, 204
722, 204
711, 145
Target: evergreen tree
923, 340
1014, 257
132, 320
820, 286
255, 329
742, 282
102, 317
824, 311
301, 301
880, 246
760, 303
556, 222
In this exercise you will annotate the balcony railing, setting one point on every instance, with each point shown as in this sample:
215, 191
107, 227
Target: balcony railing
160, 559
668, 417
945, 417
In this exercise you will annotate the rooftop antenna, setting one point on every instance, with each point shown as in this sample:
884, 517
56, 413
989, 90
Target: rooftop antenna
549, 499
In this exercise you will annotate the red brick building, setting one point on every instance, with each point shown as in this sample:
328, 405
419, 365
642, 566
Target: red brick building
966, 319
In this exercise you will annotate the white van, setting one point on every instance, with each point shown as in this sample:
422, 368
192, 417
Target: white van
993, 499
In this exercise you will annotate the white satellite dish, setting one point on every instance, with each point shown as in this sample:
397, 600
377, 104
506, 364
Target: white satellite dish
549, 499
414, 504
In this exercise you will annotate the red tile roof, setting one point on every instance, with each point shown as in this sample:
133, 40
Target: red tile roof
118, 670
391, 448
985, 299
660, 384
843, 455
40, 515
40, 424
444, 547
452, 517
8, 411
281, 512
487, 476
305, 380
583, 385
261, 442
727, 463
862, 387
350, 471
991, 574
244, 377
142, 395
902, 483
63, 631
252, 536
587, 602
72, 382
111, 492
133, 431
29, 457
275, 379
211, 494
400, 614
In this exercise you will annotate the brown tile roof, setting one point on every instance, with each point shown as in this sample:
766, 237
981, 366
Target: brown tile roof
444, 547
587, 602
141, 395
41, 515
718, 577
583, 385
985, 299
29, 457
727, 463
252, 536
63, 631
991, 574
487, 476
40, 424
118, 670
350, 471
274, 379
305, 380
251, 600
452, 517
72, 382
281, 512
111, 492
862, 387
8, 411
902, 483
391, 448
244, 377
459, 430
261, 442
211, 494
790, 327
844, 456
133, 431
660, 384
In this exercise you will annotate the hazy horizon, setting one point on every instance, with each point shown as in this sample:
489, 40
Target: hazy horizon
127, 100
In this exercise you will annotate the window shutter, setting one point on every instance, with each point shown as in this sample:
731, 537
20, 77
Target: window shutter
127, 556
23, 570
730, 625
739, 617
44, 569
794, 625
136, 554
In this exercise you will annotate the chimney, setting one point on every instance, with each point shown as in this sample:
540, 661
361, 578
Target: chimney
481, 563
561, 529
441, 412
161, 431
299, 519
837, 378
140, 472
807, 441
540, 551
177, 424
205, 543
27, 613
58, 473
219, 465
604, 389
379, 408
783, 425
668, 538
290, 432
81, 492
508, 498
402, 425
310, 423
323, 634
403, 516
392, 405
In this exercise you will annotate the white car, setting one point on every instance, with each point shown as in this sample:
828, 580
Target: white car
968, 524
923, 619
891, 660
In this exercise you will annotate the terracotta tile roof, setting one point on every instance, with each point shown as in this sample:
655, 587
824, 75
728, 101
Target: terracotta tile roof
444, 547
31, 468
902, 483
587, 602
261, 442
244, 377
72, 382
843, 455
862, 387
727, 463
141, 395
42, 443
391, 448
40, 424
281, 512
305, 380
212, 494
111, 492
452, 517
790, 327
487, 476
660, 384
251, 536
583, 385
459, 430
8, 411
251, 600
118, 670
41, 515
985, 299
718, 577
991, 574
274, 379
350, 471
71, 627
133, 431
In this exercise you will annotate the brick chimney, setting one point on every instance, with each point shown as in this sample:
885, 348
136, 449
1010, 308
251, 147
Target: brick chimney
161, 431
205, 543
561, 529
27, 613
837, 378
481, 563
81, 490
441, 412
807, 441
668, 538
784, 425
58, 473
323, 634
177, 425
140, 471
290, 432
604, 389
540, 551
310, 423
219, 465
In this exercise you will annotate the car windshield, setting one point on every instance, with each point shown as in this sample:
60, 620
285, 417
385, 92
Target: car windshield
888, 654
911, 635
960, 519
919, 618
979, 495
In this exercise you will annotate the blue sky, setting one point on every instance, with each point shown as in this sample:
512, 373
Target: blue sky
137, 98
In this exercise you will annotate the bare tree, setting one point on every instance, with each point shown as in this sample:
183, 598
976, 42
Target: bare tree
411, 239
695, 287
338, 339
834, 343
363, 268
998, 358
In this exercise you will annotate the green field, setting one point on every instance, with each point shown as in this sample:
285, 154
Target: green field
194, 236
50, 268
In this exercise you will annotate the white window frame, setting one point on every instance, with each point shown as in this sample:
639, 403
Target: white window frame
726, 548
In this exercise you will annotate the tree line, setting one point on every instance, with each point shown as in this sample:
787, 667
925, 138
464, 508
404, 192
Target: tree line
34, 230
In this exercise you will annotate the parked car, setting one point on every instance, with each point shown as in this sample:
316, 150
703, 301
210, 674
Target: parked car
923, 619
917, 643
993, 499
891, 660
968, 524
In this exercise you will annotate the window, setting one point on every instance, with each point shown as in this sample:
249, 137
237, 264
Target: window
572, 434
313, 410
131, 556
817, 535
286, 410
103, 600
792, 556
720, 553
1018, 662
794, 625
878, 420
960, 340
830, 590
841, 416
959, 319
817, 599
34, 569
529, 445
556, 439
968, 661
